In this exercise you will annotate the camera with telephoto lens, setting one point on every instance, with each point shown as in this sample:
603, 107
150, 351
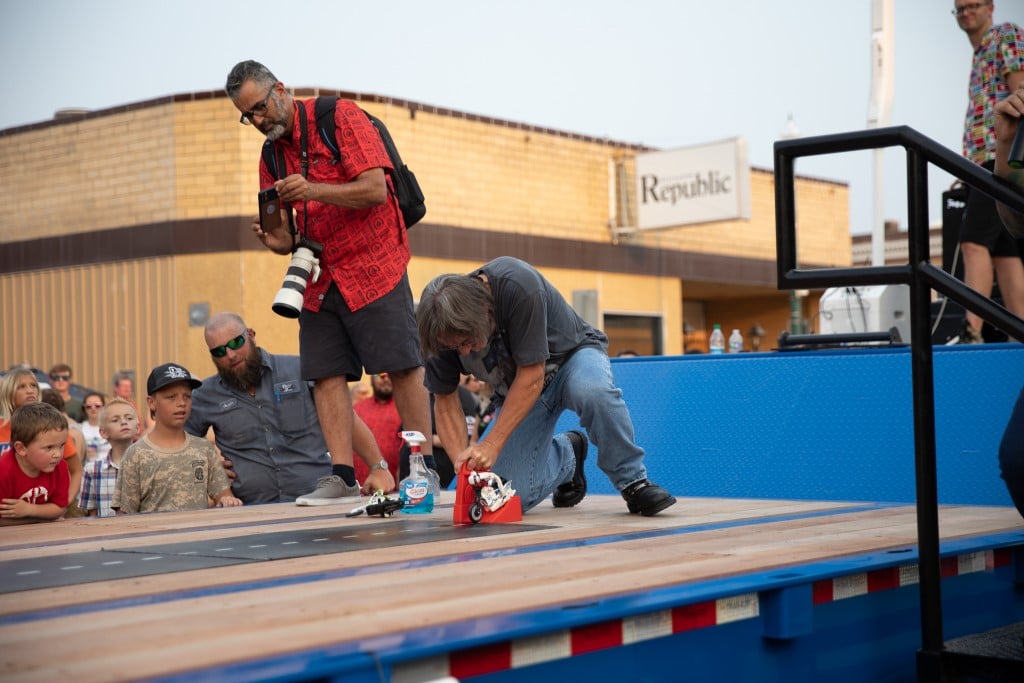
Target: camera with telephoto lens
305, 263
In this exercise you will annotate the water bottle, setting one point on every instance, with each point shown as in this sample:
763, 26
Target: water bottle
416, 490
717, 340
414, 439
735, 342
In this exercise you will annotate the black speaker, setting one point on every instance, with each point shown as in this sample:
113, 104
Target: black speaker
948, 323
954, 201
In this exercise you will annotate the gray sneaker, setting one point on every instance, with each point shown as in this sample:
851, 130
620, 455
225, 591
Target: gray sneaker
330, 491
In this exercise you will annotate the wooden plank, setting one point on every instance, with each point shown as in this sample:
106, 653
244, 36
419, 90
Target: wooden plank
321, 606
597, 517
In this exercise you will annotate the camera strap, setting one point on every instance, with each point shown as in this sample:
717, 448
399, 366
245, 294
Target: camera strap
279, 160
303, 141
303, 165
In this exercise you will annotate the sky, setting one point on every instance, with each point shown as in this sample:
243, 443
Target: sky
663, 73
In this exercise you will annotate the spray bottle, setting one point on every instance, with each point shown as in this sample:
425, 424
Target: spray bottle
416, 490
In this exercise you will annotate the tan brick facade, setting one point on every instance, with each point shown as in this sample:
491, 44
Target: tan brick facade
166, 188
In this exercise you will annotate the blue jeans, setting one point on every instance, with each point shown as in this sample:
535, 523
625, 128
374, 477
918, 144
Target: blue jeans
536, 461
1011, 454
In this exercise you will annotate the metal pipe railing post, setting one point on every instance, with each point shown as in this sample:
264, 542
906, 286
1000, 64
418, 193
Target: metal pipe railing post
923, 389
785, 216
921, 276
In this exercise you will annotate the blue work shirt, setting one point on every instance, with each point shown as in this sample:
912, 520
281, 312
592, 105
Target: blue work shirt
273, 439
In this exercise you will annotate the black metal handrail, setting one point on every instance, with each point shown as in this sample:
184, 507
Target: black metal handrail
921, 276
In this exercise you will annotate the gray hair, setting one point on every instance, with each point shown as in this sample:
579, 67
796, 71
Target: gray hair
249, 70
453, 305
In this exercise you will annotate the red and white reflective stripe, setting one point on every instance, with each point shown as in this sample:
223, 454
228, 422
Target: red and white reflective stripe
617, 632
568, 643
851, 586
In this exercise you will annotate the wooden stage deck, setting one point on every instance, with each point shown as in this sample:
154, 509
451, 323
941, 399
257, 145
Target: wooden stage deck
277, 590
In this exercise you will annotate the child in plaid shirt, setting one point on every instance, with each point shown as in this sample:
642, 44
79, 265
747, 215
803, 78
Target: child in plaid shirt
119, 424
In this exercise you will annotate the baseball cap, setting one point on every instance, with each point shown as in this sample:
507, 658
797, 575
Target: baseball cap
166, 374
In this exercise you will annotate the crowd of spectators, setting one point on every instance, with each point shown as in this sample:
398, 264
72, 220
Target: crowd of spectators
98, 430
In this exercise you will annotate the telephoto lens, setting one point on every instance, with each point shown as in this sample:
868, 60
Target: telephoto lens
288, 302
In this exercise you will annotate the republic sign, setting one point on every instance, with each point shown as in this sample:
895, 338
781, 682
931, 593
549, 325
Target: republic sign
700, 184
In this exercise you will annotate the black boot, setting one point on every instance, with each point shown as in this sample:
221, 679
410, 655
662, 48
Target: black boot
570, 494
647, 498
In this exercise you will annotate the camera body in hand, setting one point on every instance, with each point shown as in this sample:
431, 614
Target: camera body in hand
1016, 159
305, 263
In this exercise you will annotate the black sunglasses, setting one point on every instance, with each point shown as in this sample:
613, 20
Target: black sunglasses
60, 378
233, 344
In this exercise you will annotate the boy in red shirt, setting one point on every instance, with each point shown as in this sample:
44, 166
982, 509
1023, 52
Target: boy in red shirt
34, 477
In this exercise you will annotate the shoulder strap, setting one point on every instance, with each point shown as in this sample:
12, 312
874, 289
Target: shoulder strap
303, 141
324, 109
273, 159
385, 137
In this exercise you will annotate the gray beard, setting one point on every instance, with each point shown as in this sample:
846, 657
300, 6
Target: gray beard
275, 132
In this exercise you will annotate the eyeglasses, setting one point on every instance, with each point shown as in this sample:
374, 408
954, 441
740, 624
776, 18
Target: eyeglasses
233, 344
92, 406
964, 9
60, 378
466, 344
259, 110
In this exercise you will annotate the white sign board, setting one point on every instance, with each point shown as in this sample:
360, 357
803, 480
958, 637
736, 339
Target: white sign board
700, 184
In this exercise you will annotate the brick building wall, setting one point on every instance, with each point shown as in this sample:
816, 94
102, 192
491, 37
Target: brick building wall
120, 220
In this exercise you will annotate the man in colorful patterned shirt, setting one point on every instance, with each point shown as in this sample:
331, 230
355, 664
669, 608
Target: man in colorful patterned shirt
359, 313
997, 70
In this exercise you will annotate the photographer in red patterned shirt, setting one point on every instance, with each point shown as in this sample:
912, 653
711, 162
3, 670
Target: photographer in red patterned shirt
359, 313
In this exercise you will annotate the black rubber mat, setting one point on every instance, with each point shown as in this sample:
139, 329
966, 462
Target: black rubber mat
996, 655
103, 565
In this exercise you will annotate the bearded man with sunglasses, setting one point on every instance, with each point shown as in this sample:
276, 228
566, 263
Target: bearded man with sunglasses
264, 420
358, 315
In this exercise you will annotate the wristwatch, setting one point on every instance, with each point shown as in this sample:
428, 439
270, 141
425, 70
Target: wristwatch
382, 464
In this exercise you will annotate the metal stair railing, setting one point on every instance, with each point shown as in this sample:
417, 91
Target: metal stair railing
921, 276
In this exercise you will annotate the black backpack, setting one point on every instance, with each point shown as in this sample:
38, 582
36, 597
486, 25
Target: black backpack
410, 196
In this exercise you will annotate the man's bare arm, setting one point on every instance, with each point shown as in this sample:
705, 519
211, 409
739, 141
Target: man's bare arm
1008, 117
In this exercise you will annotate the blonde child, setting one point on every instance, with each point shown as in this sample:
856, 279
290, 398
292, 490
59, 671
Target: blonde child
118, 426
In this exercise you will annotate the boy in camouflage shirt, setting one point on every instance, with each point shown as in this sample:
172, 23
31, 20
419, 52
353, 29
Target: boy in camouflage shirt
168, 469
